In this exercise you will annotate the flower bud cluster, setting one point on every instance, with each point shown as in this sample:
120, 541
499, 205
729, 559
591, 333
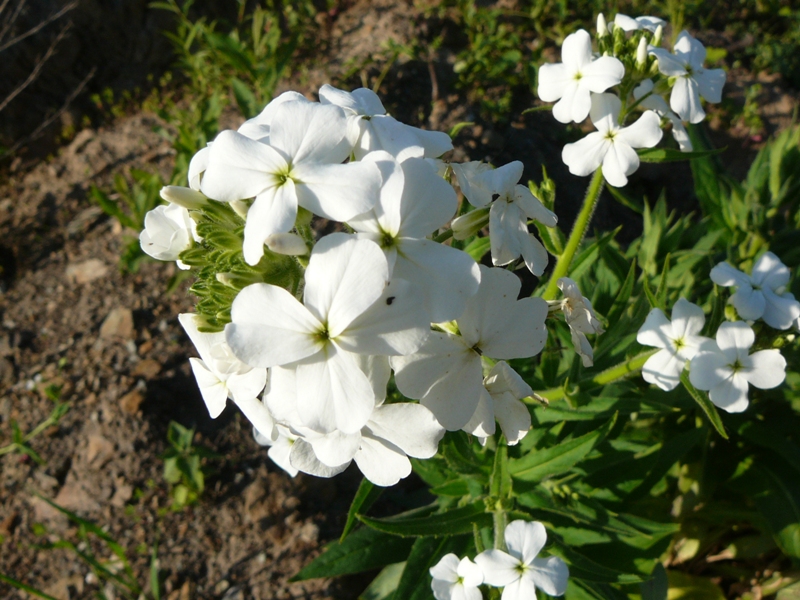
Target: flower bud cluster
629, 74
724, 366
518, 570
303, 331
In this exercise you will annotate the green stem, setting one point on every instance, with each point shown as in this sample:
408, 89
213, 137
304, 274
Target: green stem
575, 238
444, 236
608, 376
500, 520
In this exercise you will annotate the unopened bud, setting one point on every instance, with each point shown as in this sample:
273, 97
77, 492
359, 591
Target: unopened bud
240, 207
287, 243
469, 224
658, 35
641, 53
602, 26
183, 196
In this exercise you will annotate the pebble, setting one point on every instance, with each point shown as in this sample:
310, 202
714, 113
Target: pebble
118, 324
86, 271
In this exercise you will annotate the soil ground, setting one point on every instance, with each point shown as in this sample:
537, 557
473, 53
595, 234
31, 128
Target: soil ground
112, 341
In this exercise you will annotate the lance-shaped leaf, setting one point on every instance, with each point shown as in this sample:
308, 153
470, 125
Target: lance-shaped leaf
451, 522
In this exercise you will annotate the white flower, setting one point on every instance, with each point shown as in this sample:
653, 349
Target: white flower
656, 103
692, 80
455, 579
300, 165
678, 339
519, 570
573, 81
168, 231
761, 295
629, 24
611, 145
509, 214
258, 127
414, 201
349, 308
726, 369
580, 317
378, 131
220, 375
504, 389
280, 444
446, 375
381, 448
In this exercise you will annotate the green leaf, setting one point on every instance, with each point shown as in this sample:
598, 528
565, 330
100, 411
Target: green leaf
765, 437
454, 131
648, 291
365, 497
451, 522
705, 404
582, 567
384, 585
657, 586
363, 550
25, 588
661, 155
558, 459
691, 587
478, 247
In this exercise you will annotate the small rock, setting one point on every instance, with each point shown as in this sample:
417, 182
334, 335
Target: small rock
74, 496
255, 506
122, 492
9, 524
147, 368
99, 450
118, 324
131, 402
84, 220
66, 588
86, 271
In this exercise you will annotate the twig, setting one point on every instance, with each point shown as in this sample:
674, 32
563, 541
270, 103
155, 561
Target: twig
32, 30
53, 117
36, 69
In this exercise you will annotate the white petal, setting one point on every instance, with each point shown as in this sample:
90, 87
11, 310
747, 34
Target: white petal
410, 427
601, 74
335, 448
256, 412
446, 276
749, 303
506, 226
664, 369
689, 50
499, 569
310, 133
378, 371
586, 155
735, 335
482, 423
576, 51
472, 574
534, 254
213, 390
333, 392
337, 192
513, 416
274, 211
550, 575
574, 101
709, 369
434, 143
685, 100
382, 462
303, 459
725, 275
502, 379
280, 454
240, 168
270, 327
767, 369
780, 311
605, 112
644, 133
533, 207
344, 277
394, 324
553, 80
428, 201
203, 342
710, 83
445, 375
731, 394
525, 539
383, 132
197, 167
668, 64
446, 569
770, 272
687, 319
656, 330
246, 386
369, 102
620, 161
521, 589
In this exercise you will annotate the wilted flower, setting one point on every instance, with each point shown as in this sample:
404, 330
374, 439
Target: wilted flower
580, 317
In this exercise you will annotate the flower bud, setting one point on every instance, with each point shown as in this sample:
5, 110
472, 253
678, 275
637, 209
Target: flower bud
167, 232
183, 196
602, 26
641, 53
658, 35
287, 243
469, 224
240, 207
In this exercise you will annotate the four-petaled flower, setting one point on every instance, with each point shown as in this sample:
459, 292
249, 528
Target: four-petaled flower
678, 339
455, 579
612, 146
573, 81
519, 571
726, 369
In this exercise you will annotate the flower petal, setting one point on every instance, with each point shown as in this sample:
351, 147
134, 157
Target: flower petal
513, 416
731, 395
645, 132
664, 369
410, 427
770, 272
586, 155
274, 211
725, 275
656, 331
212, 389
710, 83
309, 132
685, 100
735, 336
620, 161
576, 51
525, 539
499, 568
550, 575
601, 74
337, 192
780, 312
553, 81
767, 369
687, 319
709, 368
302, 458
382, 462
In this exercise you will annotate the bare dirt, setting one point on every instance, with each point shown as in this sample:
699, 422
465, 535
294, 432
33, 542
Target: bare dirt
69, 318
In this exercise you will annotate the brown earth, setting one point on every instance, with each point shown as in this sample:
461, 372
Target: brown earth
69, 317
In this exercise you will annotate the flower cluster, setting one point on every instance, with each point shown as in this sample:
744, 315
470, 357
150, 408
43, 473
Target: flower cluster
519, 571
303, 332
723, 366
631, 74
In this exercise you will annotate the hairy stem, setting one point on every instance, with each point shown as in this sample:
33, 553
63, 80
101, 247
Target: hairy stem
578, 231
